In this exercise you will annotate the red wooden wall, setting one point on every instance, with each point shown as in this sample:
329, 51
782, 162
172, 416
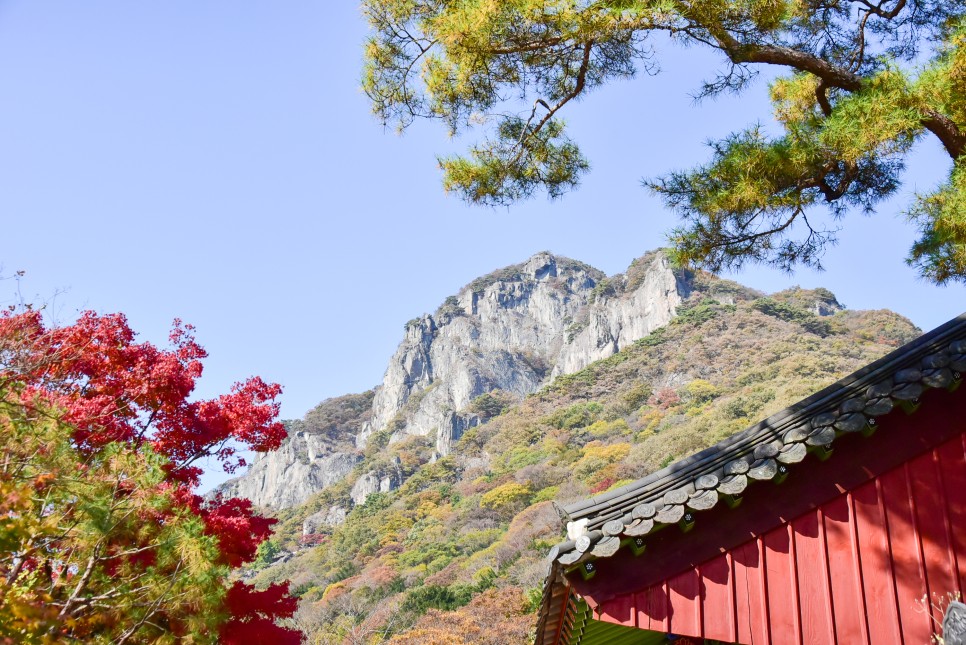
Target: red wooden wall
853, 570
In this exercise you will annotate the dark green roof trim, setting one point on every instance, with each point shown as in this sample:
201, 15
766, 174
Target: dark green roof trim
588, 631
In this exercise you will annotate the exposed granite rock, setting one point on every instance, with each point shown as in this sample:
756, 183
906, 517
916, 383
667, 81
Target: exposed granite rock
365, 486
509, 331
326, 518
319, 451
375, 482
288, 476
615, 321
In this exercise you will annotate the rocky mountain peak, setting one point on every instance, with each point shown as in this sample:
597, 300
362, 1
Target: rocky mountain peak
510, 331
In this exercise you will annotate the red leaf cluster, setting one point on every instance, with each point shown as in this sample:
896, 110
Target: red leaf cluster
313, 539
254, 614
111, 388
604, 484
237, 526
664, 398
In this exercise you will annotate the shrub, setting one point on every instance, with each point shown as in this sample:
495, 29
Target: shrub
507, 496
578, 415
491, 404
597, 455
638, 395
789, 313
664, 398
420, 599
699, 391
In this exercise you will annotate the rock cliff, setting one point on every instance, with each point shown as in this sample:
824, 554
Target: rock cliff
288, 476
319, 451
511, 331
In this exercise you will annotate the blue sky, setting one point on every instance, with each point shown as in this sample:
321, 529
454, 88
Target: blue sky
216, 161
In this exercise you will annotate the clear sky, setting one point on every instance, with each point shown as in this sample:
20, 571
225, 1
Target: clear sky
216, 161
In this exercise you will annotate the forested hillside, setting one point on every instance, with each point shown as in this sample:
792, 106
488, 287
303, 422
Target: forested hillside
456, 551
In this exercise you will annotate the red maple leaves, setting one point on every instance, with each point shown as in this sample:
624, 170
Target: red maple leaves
110, 388
253, 614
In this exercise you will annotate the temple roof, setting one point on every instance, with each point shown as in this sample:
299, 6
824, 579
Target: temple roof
600, 526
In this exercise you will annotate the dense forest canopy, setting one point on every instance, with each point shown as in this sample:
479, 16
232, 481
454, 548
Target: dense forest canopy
865, 80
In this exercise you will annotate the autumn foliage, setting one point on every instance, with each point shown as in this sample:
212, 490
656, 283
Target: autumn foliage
495, 617
101, 536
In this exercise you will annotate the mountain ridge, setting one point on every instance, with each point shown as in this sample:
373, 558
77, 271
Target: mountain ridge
511, 331
411, 539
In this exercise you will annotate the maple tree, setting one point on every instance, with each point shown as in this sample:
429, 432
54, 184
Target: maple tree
101, 536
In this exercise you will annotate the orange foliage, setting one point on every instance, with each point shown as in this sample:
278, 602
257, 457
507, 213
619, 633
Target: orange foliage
495, 617
378, 575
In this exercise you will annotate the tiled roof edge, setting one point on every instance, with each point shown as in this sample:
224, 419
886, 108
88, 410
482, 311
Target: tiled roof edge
763, 451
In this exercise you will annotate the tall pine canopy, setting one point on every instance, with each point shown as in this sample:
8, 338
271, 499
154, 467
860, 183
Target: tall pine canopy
865, 80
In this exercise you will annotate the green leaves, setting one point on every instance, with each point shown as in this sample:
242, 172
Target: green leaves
769, 200
868, 80
519, 162
508, 66
940, 252
96, 554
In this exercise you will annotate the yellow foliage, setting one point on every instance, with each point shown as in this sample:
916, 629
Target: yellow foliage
507, 495
608, 428
598, 455
609, 453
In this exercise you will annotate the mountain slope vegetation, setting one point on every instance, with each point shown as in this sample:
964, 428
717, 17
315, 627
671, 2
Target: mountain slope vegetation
460, 543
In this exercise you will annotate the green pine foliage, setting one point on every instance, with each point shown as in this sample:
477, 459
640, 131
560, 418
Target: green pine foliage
862, 83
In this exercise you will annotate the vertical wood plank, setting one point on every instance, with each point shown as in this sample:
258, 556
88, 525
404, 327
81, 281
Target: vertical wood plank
652, 608
684, 599
931, 521
813, 586
845, 578
952, 467
877, 581
781, 588
751, 608
907, 565
620, 611
717, 599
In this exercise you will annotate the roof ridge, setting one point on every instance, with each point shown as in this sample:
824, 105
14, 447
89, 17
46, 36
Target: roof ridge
764, 450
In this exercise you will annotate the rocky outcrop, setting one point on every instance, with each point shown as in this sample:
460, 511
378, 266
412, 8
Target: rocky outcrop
500, 332
326, 518
303, 465
512, 330
618, 317
318, 452
376, 482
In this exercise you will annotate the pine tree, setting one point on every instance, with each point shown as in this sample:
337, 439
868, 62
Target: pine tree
866, 79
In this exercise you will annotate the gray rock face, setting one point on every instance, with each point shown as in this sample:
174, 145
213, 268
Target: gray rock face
365, 486
375, 482
303, 465
326, 518
495, 334
614, 322
544, 317
512, 330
